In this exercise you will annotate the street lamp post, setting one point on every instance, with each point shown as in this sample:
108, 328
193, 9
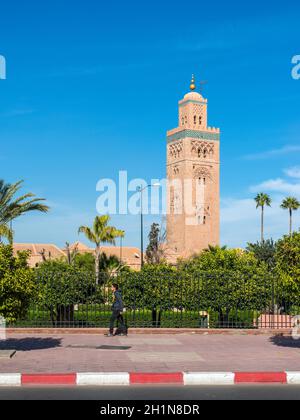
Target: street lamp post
141, 189
121, 249
142, 229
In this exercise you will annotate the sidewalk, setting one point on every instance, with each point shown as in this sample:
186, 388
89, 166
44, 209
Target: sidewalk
150, 353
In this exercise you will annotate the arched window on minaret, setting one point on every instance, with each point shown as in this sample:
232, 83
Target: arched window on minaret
182, 120
195, 119
200, 120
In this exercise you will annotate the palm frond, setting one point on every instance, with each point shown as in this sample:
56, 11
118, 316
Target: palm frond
11, 208
89, 234
263, 200
6, 232
290, 203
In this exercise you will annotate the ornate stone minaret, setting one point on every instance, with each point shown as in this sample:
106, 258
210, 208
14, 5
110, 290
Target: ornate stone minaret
193, 171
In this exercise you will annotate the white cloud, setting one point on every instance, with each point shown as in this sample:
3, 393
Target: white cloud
273, 153
240, 221
293, 172
277, 185
237, 210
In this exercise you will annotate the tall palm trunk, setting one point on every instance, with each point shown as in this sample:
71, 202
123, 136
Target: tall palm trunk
11, 234
262, 224
97, 261
291, 222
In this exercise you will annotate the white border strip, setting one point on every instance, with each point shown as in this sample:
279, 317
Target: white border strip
208, 378
10, 379
293, 378
123, 378
117, 378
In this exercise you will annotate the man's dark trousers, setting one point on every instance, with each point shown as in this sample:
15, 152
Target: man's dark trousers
117, 316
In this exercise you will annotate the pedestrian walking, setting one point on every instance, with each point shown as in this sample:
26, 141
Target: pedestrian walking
117, 314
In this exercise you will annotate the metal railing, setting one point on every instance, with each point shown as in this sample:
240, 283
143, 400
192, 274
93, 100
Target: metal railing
171, 300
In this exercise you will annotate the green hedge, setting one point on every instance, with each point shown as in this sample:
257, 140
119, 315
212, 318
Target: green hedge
98, 316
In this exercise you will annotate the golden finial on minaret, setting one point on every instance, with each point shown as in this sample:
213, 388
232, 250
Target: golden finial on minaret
193, 85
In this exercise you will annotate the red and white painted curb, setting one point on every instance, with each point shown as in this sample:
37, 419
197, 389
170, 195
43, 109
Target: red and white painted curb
124, 378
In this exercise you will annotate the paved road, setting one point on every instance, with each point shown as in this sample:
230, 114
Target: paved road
150, 393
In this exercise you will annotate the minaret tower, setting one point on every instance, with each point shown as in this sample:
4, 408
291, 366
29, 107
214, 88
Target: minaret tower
193, 172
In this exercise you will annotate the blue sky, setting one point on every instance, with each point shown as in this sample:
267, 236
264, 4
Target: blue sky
93, 86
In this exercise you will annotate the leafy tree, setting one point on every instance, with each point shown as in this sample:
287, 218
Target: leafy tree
11, 207
155, 288
111, 265
262, 200
291, 204
264, 252
61, 286
85, 262
154, 252
225, 280
214, 249
108, 265
101, 233
217, 280
16, 284
288, 266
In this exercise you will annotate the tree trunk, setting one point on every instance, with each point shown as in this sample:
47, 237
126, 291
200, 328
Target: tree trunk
154, 314
224, 318
52, 316
97, 258
65, 314
291, 222
159, 319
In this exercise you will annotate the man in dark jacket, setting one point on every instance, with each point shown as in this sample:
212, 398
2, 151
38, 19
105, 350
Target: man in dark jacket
117, 309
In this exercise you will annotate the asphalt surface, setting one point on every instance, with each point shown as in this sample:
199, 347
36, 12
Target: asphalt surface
151, 393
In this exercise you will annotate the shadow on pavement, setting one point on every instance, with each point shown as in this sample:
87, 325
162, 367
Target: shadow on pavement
284, 341
29, 343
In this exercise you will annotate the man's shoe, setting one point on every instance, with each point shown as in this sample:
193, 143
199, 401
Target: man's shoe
109, 335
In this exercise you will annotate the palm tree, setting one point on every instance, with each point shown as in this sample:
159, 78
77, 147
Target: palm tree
101, 233
71, 253
111, 264
11, 207
291, 204
6, 232
215, 249
262, 200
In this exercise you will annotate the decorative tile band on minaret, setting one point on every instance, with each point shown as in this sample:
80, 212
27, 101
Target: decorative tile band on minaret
194, 134
193, 155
